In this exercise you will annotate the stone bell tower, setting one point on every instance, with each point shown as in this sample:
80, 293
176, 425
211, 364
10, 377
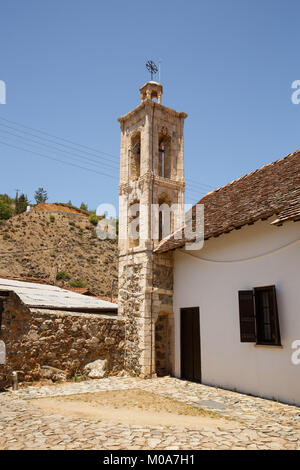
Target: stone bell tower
151, 181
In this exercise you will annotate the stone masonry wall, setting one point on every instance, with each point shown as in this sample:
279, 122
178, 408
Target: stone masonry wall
132, 278
65, 340
146, 293
162, 346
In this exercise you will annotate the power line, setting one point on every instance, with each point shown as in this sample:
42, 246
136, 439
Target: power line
195, 193
57, 160
200, 183
199, 187
188, 191
194, 188
84, 152
95, 152
81, 158
191, 191
60, 138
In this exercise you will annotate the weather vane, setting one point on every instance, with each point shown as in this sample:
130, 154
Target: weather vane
152, 68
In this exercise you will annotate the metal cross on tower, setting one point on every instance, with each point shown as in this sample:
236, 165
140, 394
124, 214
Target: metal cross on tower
152, 68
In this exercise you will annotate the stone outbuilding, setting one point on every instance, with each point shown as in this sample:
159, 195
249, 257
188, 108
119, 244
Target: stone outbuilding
47, 328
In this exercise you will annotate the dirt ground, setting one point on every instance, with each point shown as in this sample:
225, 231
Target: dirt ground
132, 407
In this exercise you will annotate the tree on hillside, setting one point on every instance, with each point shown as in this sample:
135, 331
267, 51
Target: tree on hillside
84, 207
21, 204
8, 200
7, 206
40, 195
6, 210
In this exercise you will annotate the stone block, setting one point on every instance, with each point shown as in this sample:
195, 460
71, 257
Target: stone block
96, 369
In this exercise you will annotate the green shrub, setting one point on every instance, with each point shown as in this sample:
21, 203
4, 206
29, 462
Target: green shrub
84, 207
93, 219
5, 210
77, 283
62, 275
52, 218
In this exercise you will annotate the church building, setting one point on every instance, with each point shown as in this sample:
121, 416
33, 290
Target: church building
226, 314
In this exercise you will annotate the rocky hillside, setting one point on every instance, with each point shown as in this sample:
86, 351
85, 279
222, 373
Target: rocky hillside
40, 243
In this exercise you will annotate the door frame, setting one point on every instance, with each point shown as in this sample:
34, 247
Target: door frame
195, 310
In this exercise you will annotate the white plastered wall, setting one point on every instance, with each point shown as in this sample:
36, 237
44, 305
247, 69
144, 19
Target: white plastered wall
256, 255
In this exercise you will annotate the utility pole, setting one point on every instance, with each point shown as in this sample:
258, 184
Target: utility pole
16, 200
17, 193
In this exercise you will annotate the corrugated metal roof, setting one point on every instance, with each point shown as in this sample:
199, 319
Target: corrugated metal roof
53, 297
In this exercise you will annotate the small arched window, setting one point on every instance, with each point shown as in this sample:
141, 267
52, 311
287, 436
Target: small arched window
165, 217
135, 156
164, 160
134, 224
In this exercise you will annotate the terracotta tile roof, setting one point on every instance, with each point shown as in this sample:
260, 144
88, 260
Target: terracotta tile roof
85, 291
292, 212
81, 290
24, 278
108, 299
272, 190
59, 207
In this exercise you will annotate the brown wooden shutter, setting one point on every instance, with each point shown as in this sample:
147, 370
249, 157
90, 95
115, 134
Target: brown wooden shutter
275, 318
273, 310
247, 316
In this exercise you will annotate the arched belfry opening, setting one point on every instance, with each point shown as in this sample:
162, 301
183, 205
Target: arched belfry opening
165, 216
134, 224
135, 156
164, 156
151, 91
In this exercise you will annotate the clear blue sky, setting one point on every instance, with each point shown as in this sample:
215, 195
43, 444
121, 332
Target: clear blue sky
72, 67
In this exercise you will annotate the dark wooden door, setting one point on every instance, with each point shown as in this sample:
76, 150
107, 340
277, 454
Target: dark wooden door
190, 344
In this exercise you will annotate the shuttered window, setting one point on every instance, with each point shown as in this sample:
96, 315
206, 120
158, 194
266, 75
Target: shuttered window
259, 320
247, 316
267, 322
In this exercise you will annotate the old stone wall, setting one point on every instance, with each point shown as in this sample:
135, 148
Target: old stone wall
163, 313
145, 293
162, 346
134, 301
64, 340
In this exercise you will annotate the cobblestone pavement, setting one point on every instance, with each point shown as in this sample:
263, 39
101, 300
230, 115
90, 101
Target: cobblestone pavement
259, 423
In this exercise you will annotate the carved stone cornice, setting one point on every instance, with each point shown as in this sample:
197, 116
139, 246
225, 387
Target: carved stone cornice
148, 179
150, 103
168, 183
